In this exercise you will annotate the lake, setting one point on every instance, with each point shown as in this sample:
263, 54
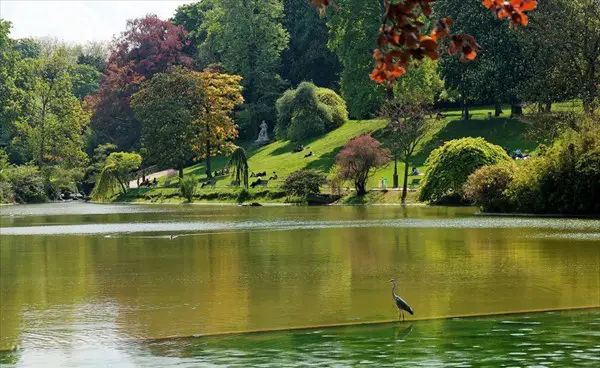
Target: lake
87, 284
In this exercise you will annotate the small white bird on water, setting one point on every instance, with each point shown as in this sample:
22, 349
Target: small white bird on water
400, 303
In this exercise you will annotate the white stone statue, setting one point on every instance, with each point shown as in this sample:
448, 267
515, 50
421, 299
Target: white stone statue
263, 135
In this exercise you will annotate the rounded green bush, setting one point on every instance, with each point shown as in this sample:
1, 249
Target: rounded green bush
487, 186
309, 111
449, 166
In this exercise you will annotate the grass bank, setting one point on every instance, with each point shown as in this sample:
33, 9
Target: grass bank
279, 157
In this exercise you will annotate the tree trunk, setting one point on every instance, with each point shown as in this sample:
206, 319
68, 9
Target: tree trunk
361, 189
465, 111
395, 177
548, 108
181, 171
405, 186
497, 109
516, 110
208, 167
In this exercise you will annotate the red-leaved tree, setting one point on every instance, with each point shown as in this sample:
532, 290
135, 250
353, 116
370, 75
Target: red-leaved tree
148, 46
359, 159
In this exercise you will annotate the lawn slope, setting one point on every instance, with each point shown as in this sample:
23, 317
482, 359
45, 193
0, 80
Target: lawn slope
278, 156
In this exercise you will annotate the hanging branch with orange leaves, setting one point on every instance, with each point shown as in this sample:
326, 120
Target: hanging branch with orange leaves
401, 42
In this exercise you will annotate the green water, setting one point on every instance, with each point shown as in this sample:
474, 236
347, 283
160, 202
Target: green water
83, 284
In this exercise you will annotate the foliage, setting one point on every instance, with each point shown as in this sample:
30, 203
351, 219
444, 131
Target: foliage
114, 174
239, 162
449, 166
564, 178
6, 190
187, 188
303, 182
352, 36
408, 127
567, 36
27, 184
420, 85
215, 128
309, 111
358, 160
401, 43
9, 93
193, 18
243, 196
166, 105
307, 56
487, 186
52, 123
96, 164
546, 128
148, 46
27, 48
61, 181
85, 80
249, 39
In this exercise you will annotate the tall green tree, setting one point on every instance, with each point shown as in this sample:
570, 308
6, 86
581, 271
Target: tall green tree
195, 19
52, 123
114, 174
307, 58
9, 106
353, 32
565, 57
166, 105
250, 39
420, 85
496, 72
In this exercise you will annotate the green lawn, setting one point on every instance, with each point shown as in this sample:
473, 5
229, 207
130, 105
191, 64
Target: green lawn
278, 156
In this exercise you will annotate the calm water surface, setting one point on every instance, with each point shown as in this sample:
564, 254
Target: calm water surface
88, 283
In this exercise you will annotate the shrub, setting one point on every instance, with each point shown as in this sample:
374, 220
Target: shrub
61, 181
358, 160
309, 111
302, 183
486, 187
449, 166
27, 184
243, 196
187, 188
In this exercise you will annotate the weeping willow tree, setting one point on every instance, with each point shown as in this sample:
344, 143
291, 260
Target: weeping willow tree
107, 184
113, 177
239, 162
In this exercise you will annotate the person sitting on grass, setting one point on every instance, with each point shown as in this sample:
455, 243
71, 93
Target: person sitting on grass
154, 182
414, 172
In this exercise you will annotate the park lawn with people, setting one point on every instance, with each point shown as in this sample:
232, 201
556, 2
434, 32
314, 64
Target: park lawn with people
278, 157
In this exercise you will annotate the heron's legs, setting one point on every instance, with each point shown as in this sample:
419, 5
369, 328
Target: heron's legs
402, 316
399, 314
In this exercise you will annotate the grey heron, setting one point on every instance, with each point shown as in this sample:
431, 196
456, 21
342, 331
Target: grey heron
400, 303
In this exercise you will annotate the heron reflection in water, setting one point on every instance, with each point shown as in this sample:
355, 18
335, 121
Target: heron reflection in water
400, 303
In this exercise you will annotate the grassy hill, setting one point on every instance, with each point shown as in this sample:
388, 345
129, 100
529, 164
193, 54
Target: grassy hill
278, 156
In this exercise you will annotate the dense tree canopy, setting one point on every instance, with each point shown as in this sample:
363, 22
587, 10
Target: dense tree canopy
249, 38
353, 29
148, 46
166, 105
307, 57
52, 122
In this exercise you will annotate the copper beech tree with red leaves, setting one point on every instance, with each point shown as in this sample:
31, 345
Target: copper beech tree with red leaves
401, 41
359, 159
148, 46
